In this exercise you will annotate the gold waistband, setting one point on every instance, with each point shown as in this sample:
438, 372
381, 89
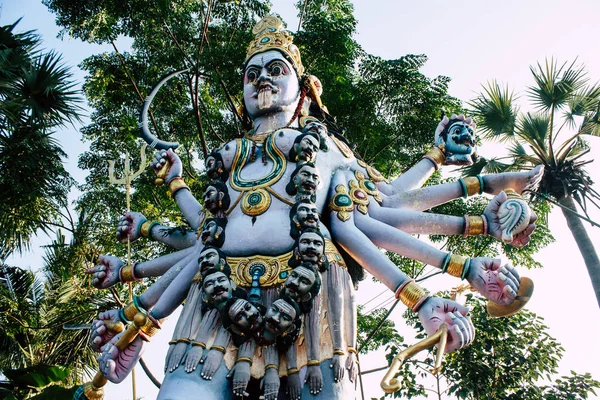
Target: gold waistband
275, 268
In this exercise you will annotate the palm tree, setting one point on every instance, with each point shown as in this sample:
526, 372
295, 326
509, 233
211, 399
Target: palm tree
564, 100
36, 96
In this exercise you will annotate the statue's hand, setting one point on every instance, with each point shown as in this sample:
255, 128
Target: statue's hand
192, 358
116, 364
176, 356
314, 378
495, 282
294, 386
495, 230
241, 376
337, 364
212, 361
436, 311
352, 367
106, 274
161, 158
100, 333
518, 181
129, 226
270, 384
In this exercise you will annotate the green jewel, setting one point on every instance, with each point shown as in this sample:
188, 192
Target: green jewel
254, 199
343, 200
370, 185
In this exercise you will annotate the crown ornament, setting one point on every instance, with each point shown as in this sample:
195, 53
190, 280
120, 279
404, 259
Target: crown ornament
270, 35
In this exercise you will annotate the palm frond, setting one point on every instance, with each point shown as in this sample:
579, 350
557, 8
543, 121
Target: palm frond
495, 112
534, 129
555, 85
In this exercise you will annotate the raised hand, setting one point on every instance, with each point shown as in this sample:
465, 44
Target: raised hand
241, 376
106, 274
352, 367
294, 386
270, 384
101, 334
314, 378
129, 226
161, 158
337, 365
437, 311
116, 364
493, 281
212, 361
494, 228
518, 181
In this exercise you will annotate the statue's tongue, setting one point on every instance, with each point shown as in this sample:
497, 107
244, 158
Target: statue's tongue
265, 99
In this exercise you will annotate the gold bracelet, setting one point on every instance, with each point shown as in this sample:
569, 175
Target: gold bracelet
292, 371
194, 343
473, 185
412, 294
352, 350
129, 311
246, 359
456, 265
150, 328
271, 366
145, 229
436, 156
126, 273
218, 348
172, 342
339, 352
176, 185
475, 225
183, 340
313, 363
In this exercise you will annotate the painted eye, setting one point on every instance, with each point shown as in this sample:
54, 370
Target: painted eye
252, 75
276, 69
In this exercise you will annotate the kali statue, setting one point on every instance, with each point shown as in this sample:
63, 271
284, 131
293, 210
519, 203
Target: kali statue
272, 186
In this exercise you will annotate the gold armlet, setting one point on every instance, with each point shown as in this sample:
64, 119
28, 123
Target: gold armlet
246, 359
218, 348
473, 184
475, 225
436, 156
176, 185
456, 264
126, 273
313, 363
412, 295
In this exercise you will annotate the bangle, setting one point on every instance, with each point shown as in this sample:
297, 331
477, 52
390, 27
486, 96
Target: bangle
152, 225
292, 371
218, 348
412, 295
313, 363
127, 273
271, 366
172, 342
195, 343
446, 262
463, 185
481, 186
184, 340
436, 156
466, 269
176, 185
466, 226
456, 265
474, 225
131, 309
352, 350
240, 359
145, 228
339, 352
150, 328
485, 225
473, 185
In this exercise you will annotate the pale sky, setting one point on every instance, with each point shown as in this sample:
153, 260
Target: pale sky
472, 42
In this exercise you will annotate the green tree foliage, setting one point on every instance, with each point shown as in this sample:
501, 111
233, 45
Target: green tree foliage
36, 96
559, 91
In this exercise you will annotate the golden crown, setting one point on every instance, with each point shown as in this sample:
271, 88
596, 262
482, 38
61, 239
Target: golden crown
269, 35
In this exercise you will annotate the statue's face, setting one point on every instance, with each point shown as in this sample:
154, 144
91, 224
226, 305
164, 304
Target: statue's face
461, 138
310, 247
307, 148
217, 288
208, 233
270, 84
299, 283
245, 316
317, 128
212, 166
209, 258
211, 199
307, 214
280, 317
307, 179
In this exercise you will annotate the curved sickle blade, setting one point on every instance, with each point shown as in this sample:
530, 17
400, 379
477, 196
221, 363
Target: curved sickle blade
145, 133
